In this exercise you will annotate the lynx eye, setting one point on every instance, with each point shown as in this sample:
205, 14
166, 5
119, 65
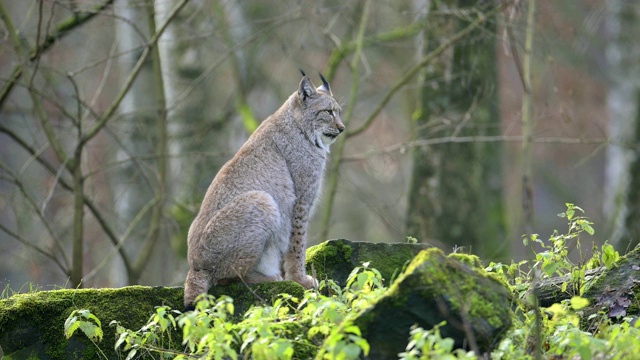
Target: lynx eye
330, 112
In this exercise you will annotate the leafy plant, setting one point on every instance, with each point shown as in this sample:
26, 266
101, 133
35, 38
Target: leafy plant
87, 323
320, 324
208, 332
429, 344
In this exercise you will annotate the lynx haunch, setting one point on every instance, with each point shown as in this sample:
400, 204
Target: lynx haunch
252, 225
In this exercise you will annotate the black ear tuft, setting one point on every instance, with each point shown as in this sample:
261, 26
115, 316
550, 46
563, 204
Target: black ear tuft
302, 72
325, 84
306, 89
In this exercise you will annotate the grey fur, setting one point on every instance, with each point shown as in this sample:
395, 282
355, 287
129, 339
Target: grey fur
253, 221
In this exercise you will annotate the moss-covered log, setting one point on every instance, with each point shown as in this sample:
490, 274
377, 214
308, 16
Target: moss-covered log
617, 291
550, 291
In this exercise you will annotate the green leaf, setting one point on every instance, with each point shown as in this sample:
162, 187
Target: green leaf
578, 302
88, 315
550, 267
609, 255
121, 339
570, 213
131, 354
586, 226
349, 351
352, 329
248, 120
70, 326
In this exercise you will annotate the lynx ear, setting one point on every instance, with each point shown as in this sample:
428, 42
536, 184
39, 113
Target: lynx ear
306, 89
325, 85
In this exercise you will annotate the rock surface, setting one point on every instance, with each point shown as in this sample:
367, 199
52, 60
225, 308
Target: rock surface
335, 259
433, 288
436, 288
32, 325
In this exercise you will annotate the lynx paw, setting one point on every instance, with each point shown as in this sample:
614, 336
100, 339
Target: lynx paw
308, 282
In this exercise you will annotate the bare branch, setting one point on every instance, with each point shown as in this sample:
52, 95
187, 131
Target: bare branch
34, 247
132, 75
411, 73
403, 147
37, 104
62, 29
527, 123
21, 186
65, 185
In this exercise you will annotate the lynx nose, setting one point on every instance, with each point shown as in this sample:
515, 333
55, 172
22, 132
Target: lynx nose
340, 126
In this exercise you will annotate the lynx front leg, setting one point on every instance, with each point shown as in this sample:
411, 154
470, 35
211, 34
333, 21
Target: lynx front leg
294, 262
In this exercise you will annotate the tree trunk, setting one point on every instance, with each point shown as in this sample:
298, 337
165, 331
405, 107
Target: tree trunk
622, 197
631, 237
196, 129
455, 196
140, 182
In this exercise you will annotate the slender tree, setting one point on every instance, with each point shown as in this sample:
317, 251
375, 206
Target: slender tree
622, 190
455, 196
141, 187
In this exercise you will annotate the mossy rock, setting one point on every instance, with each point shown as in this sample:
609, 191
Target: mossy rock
335, 259
436, 288
32, 325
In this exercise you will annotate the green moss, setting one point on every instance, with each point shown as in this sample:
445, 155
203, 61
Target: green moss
42, 314
432, 283
328, 255
472, 261
454, 281
335, 259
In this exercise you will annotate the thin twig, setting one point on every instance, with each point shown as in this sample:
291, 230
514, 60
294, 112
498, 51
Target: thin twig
339, 148
403, 147
120, 243
339, 53
158, 212
33, 246
20, 184
104, 224
62, 29
37, 103
132, 75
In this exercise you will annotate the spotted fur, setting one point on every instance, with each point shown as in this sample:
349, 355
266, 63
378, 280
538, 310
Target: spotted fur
252, 225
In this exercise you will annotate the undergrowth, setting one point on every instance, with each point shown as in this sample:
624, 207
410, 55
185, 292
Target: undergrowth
320, 326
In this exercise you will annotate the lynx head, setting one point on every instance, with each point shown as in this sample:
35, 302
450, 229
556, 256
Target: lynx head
320, 112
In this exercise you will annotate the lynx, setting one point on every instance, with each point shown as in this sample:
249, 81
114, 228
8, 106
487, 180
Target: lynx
253, 221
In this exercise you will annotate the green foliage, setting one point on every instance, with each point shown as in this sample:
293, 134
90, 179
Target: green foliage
266, 332
554, 260
561, 332
429, 344
28, 288
320, 324
84, 320
87, 323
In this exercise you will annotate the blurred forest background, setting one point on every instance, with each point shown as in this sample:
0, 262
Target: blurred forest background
469, 123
